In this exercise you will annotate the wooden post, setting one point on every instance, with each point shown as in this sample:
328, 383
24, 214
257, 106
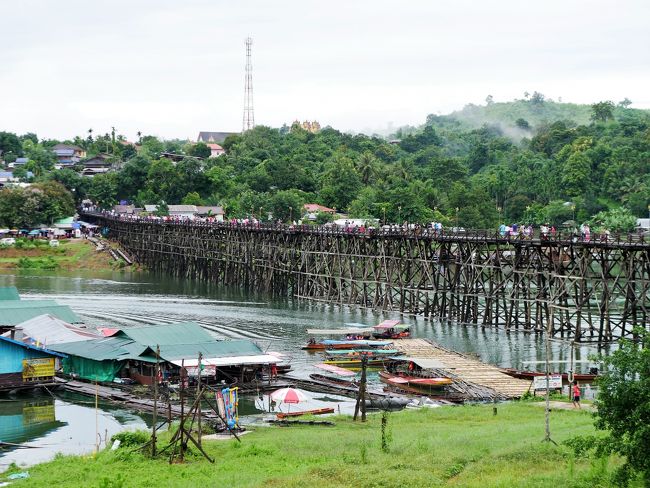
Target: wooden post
96, 416
199, 394
155, 402
182, 395
362, 387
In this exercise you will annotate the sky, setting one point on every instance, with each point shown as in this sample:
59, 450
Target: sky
174, 68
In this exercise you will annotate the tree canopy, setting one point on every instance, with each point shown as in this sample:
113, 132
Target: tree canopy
528, 161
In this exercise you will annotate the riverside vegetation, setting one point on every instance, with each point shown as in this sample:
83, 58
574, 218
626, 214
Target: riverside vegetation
529, 161
450, 446
75, 254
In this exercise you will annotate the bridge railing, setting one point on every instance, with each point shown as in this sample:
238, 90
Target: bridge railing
410, 231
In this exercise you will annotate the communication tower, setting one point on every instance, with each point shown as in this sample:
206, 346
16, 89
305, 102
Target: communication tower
249, 113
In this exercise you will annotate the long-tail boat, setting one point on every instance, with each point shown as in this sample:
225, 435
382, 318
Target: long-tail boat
414, 384
529, 375
391, 329
353, 358
312, 345
318, 411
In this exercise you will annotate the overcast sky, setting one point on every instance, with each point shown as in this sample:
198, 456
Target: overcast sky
173, 68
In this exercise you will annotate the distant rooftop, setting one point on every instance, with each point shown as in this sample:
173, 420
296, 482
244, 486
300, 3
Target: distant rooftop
215, 137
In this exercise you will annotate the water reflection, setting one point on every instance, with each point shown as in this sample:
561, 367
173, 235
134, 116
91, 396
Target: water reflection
44, 426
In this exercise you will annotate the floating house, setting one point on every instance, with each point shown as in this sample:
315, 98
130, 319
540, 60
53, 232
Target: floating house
25, 366
131, 353
13, 312
46, 330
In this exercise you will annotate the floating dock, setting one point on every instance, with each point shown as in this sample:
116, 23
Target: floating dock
473, 379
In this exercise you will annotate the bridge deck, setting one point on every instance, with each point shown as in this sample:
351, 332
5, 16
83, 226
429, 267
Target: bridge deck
465, 368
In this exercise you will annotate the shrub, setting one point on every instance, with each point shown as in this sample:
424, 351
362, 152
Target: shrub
131, 438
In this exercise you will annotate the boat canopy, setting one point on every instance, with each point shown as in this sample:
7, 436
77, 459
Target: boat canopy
388, 324
335, 369
357, 342
424, 363
394, 327
229, 361
364, 351
351, 330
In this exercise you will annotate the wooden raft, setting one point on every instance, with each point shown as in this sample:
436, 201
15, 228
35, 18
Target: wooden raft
464, 367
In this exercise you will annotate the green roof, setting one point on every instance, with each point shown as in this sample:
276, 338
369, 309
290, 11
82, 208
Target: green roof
176, 341
13, 312
65, 221
214, 349
9, 293
110, 348
167, 334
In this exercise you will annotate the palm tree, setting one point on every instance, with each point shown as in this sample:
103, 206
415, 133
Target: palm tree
367, 167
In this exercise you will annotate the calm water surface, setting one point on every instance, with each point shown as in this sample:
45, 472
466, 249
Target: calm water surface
68, 425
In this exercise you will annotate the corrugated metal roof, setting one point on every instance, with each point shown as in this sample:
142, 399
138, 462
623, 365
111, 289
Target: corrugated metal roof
227, 361
49, 330
110, 348
168, 334
214, 349
33, 348
13, 312
9, 293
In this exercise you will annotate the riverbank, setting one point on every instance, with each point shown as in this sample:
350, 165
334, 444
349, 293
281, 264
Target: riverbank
448, 446
70, 255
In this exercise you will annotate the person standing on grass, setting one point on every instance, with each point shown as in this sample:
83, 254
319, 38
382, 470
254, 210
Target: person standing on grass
576, 394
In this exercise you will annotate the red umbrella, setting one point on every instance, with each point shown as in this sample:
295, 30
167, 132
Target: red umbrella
288, 395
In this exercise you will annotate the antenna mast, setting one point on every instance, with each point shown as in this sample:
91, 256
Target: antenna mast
249, 113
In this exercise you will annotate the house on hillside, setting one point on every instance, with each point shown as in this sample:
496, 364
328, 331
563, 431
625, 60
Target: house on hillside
19, 162
124, 209
96, 165
26, 366
214, 137
74, 151
182, 211
67, 155
313, 209
214, 212
216, 150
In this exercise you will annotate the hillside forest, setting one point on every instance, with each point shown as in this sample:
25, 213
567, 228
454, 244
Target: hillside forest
531, 161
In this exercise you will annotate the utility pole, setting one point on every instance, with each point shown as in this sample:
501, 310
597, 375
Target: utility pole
249, 113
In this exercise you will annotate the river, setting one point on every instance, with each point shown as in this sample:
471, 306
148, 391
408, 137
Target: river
127, 299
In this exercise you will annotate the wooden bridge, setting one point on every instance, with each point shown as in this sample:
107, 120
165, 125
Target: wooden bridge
584, 291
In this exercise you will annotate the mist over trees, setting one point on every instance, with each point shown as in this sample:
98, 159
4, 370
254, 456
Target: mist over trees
527, 161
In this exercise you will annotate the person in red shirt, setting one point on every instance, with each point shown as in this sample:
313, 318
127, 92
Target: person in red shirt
576, 394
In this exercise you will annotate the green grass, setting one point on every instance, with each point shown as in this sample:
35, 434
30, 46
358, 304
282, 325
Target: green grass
70, 254
452, 446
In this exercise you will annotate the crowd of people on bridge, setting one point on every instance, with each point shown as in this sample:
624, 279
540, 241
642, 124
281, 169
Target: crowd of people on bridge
433, 229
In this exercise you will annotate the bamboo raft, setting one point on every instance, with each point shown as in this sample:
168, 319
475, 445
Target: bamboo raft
473, 379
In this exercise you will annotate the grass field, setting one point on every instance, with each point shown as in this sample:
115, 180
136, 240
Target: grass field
452, 446
70, 255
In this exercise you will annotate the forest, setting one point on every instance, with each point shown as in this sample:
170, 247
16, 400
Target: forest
530, 161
